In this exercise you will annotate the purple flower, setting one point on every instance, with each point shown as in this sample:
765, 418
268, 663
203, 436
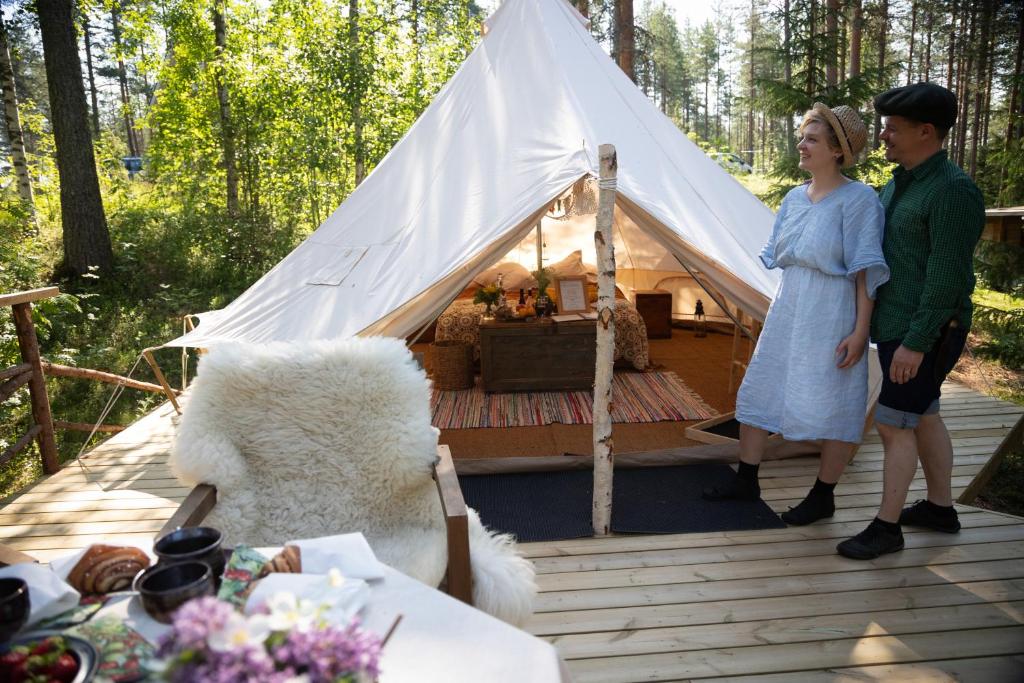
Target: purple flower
316, 653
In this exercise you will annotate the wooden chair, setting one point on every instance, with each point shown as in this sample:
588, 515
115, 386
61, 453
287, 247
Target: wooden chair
9, 556
458, 578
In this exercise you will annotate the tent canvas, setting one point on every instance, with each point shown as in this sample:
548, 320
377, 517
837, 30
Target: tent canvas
513, 130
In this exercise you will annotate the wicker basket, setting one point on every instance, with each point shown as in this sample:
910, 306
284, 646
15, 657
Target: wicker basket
451, 364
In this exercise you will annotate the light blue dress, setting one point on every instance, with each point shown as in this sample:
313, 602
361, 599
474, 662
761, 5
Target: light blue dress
792, 385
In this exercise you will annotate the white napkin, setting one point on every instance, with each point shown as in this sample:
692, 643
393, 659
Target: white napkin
348, 553
48, 594
342, 597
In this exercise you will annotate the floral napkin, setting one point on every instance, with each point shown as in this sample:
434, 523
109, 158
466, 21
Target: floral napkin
123, 651
242, 568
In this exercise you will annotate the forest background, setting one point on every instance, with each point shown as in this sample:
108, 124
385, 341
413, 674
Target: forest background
251, 121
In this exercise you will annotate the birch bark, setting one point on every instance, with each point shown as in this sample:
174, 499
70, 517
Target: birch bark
604, 459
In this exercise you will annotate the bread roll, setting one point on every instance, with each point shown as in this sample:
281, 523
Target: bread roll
107, 568
288, 561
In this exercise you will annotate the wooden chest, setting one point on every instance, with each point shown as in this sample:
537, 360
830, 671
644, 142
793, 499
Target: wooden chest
655, 307
538, 356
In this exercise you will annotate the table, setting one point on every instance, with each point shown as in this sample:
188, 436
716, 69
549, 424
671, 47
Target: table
439, 638
538, 356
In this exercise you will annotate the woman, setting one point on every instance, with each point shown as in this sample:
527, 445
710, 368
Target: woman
808, 376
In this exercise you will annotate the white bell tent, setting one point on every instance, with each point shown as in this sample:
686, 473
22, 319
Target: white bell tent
512, 132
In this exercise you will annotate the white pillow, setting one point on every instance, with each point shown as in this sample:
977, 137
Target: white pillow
513, 276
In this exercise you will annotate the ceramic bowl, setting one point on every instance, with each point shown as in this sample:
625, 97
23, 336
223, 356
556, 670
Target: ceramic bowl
163, 588
82, 650
14, 607
193, 544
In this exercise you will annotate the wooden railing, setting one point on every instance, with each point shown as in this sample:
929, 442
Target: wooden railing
32, 371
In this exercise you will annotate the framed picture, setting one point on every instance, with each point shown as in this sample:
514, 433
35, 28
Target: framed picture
572, 294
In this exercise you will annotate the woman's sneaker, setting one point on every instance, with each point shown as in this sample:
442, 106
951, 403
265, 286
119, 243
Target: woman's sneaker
812, 508
878, 539
931, 516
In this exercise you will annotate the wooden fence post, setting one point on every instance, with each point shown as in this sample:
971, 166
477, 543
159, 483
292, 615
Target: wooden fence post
29, 346
604, 457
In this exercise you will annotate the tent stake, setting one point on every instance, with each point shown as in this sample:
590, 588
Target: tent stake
604, 457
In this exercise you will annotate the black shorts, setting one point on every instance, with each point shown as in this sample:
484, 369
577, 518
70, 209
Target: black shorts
919, 396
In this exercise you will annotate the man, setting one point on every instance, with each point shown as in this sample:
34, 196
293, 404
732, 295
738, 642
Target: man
934, 215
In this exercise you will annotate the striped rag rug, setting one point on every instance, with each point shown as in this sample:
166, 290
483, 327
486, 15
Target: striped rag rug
636, 397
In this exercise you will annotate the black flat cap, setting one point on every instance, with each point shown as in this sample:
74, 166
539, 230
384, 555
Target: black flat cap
923, 102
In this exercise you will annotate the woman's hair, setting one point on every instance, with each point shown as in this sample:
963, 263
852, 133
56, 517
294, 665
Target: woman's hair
814, 117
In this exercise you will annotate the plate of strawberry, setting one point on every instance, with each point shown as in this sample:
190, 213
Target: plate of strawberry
47, 656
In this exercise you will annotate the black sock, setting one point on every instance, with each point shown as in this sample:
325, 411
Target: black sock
822, 488
747, 471
892, 527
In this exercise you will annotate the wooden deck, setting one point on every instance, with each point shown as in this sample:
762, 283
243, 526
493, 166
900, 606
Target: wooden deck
775, 605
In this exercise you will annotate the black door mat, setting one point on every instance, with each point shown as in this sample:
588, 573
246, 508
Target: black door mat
549, 506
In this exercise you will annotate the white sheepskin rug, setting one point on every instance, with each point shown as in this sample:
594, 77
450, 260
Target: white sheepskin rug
312, 439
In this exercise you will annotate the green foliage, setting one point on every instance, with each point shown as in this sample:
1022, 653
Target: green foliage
1000, 266
1004, 332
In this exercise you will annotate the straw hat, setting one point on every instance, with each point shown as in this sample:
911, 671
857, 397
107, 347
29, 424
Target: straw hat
848, 127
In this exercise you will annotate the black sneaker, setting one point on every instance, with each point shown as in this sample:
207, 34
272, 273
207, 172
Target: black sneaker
737, 489
812, 508
931, 516
874, 541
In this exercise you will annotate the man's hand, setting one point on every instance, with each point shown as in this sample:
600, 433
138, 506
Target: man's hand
904, 365
850, 350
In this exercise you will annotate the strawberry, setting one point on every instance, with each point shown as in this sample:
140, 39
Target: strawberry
64, 669
10, 662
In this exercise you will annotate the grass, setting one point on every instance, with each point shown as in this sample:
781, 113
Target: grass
992, 299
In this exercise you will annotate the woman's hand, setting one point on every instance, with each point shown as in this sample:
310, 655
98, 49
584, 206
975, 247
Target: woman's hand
850, 350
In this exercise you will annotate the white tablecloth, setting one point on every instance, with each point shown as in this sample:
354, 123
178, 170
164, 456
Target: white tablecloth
439, 638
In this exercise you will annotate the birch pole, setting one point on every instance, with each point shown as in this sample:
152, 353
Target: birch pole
604, 462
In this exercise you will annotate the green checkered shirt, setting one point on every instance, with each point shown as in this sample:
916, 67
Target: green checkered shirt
934, 215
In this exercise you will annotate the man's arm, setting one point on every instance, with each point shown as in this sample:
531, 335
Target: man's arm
955, 222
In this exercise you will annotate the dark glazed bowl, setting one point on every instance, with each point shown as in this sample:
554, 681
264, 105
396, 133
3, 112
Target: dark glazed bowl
14, 607
84, 653
163, 588
193, 544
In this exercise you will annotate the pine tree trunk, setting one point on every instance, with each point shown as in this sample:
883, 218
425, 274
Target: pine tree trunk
1012, 129
627, 37
86, 239
832, 33
953, 34
787, 34
604, 455
913, 35
12, 121
753, 90
967, 88
122, 81
856, 33
979, 84
811, 56
93, 95
882, 44
227, 130
356, 91
928, 44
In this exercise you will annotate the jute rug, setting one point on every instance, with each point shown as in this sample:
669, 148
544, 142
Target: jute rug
636, 397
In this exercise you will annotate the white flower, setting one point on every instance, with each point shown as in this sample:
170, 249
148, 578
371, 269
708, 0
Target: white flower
288, 612
239, 631
335, 578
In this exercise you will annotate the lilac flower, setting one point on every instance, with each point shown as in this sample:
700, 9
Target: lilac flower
210, 643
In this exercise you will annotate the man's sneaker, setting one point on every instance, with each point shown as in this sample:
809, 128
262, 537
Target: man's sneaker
737, 489
812, 508
874, 541
929, 515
